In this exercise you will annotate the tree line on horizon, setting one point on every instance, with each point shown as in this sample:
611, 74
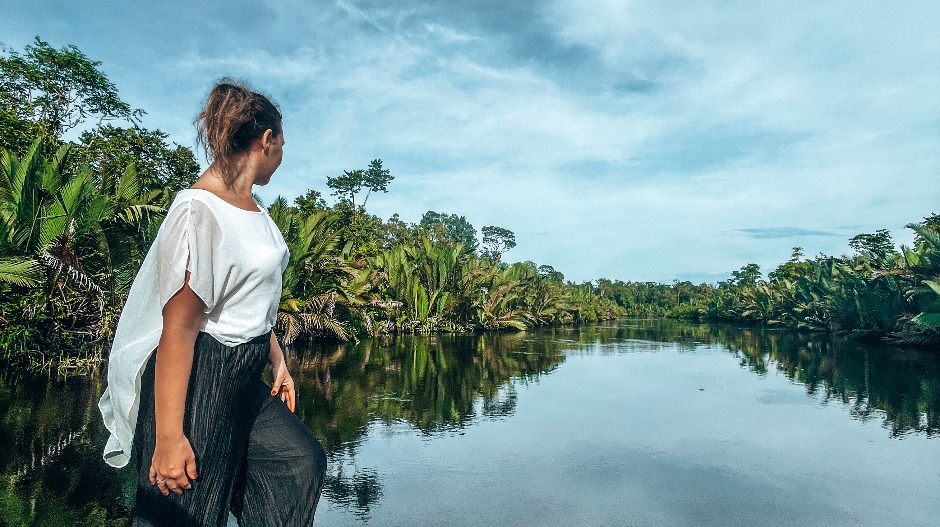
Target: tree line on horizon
77, 218
879, 292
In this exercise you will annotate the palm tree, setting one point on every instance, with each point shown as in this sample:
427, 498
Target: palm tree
315, 274
74, 236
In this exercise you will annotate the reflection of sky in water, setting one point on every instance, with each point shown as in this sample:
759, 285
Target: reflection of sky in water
620, 436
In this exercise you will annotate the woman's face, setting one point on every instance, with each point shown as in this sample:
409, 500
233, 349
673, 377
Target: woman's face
270, 158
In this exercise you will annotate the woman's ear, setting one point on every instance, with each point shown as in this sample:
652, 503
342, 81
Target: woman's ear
267, 139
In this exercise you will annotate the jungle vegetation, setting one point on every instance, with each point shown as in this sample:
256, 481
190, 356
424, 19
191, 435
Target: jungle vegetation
880, 292
77, 217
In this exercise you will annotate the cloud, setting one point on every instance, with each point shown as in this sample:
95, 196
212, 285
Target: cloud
637, 134
448, 34
783, 232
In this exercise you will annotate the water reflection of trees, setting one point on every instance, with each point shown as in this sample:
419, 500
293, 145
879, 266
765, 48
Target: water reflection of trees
357, 491
630, 335
52, 436
430, 382
433, 383
899, 386
51, 455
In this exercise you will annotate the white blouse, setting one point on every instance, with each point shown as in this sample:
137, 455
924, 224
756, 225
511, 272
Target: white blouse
236, 259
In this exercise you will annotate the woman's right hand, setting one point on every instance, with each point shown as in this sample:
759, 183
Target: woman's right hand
173, 465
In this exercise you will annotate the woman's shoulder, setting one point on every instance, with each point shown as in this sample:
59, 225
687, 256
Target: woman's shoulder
192, 207
197, 201
216, 203
188, 196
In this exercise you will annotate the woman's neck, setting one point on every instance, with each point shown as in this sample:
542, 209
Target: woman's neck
240, 185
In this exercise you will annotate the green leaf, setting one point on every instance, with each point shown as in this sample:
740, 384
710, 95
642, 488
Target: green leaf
23, 272
933, 285
927, 319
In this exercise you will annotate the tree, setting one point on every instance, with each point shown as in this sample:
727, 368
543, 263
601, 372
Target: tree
549, 273
747, 276
931, 223
876, 247
45, 92
348, 185
310, 202
797, 254
450, 227
73, 242
395, 232
497, 241
108, 150
376, 179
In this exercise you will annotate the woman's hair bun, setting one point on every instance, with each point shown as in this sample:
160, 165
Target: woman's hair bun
234, 116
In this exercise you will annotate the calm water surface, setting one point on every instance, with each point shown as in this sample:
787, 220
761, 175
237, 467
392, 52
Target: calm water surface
642, 422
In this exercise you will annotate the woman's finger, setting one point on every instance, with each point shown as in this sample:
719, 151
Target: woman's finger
153, 475
161, 484
278, 381
191, 468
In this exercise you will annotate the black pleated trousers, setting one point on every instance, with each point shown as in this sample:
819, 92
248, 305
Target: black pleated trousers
253, 456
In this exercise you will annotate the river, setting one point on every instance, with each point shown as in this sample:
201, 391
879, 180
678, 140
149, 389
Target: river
634, 423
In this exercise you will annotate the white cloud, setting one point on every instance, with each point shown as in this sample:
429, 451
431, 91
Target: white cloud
625, 139
448, 34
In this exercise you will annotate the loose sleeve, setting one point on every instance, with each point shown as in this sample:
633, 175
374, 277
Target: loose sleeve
189, 241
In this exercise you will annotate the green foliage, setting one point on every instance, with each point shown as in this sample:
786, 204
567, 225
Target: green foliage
109, 150
927, 319
746, 277
930, 224
881, 292
550, 273
358, 275
69, 246
20, 271
376, 179
351, 182
497, 241
310, 202
346, 186
444, 228
77, 219
875, 248
45, 92
923, 263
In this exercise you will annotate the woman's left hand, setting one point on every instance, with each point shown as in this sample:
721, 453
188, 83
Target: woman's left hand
283, 384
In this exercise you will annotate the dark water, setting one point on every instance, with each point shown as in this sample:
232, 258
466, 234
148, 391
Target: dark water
652, 422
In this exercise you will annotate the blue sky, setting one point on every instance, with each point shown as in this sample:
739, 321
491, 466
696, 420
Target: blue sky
634, 140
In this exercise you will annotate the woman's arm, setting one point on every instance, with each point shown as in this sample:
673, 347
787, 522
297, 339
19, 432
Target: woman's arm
174, 463
283, 383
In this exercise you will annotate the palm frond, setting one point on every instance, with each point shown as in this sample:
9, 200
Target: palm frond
23, 272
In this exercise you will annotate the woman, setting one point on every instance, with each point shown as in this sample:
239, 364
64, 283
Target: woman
184, 394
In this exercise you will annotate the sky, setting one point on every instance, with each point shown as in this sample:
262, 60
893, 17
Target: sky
632, 140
